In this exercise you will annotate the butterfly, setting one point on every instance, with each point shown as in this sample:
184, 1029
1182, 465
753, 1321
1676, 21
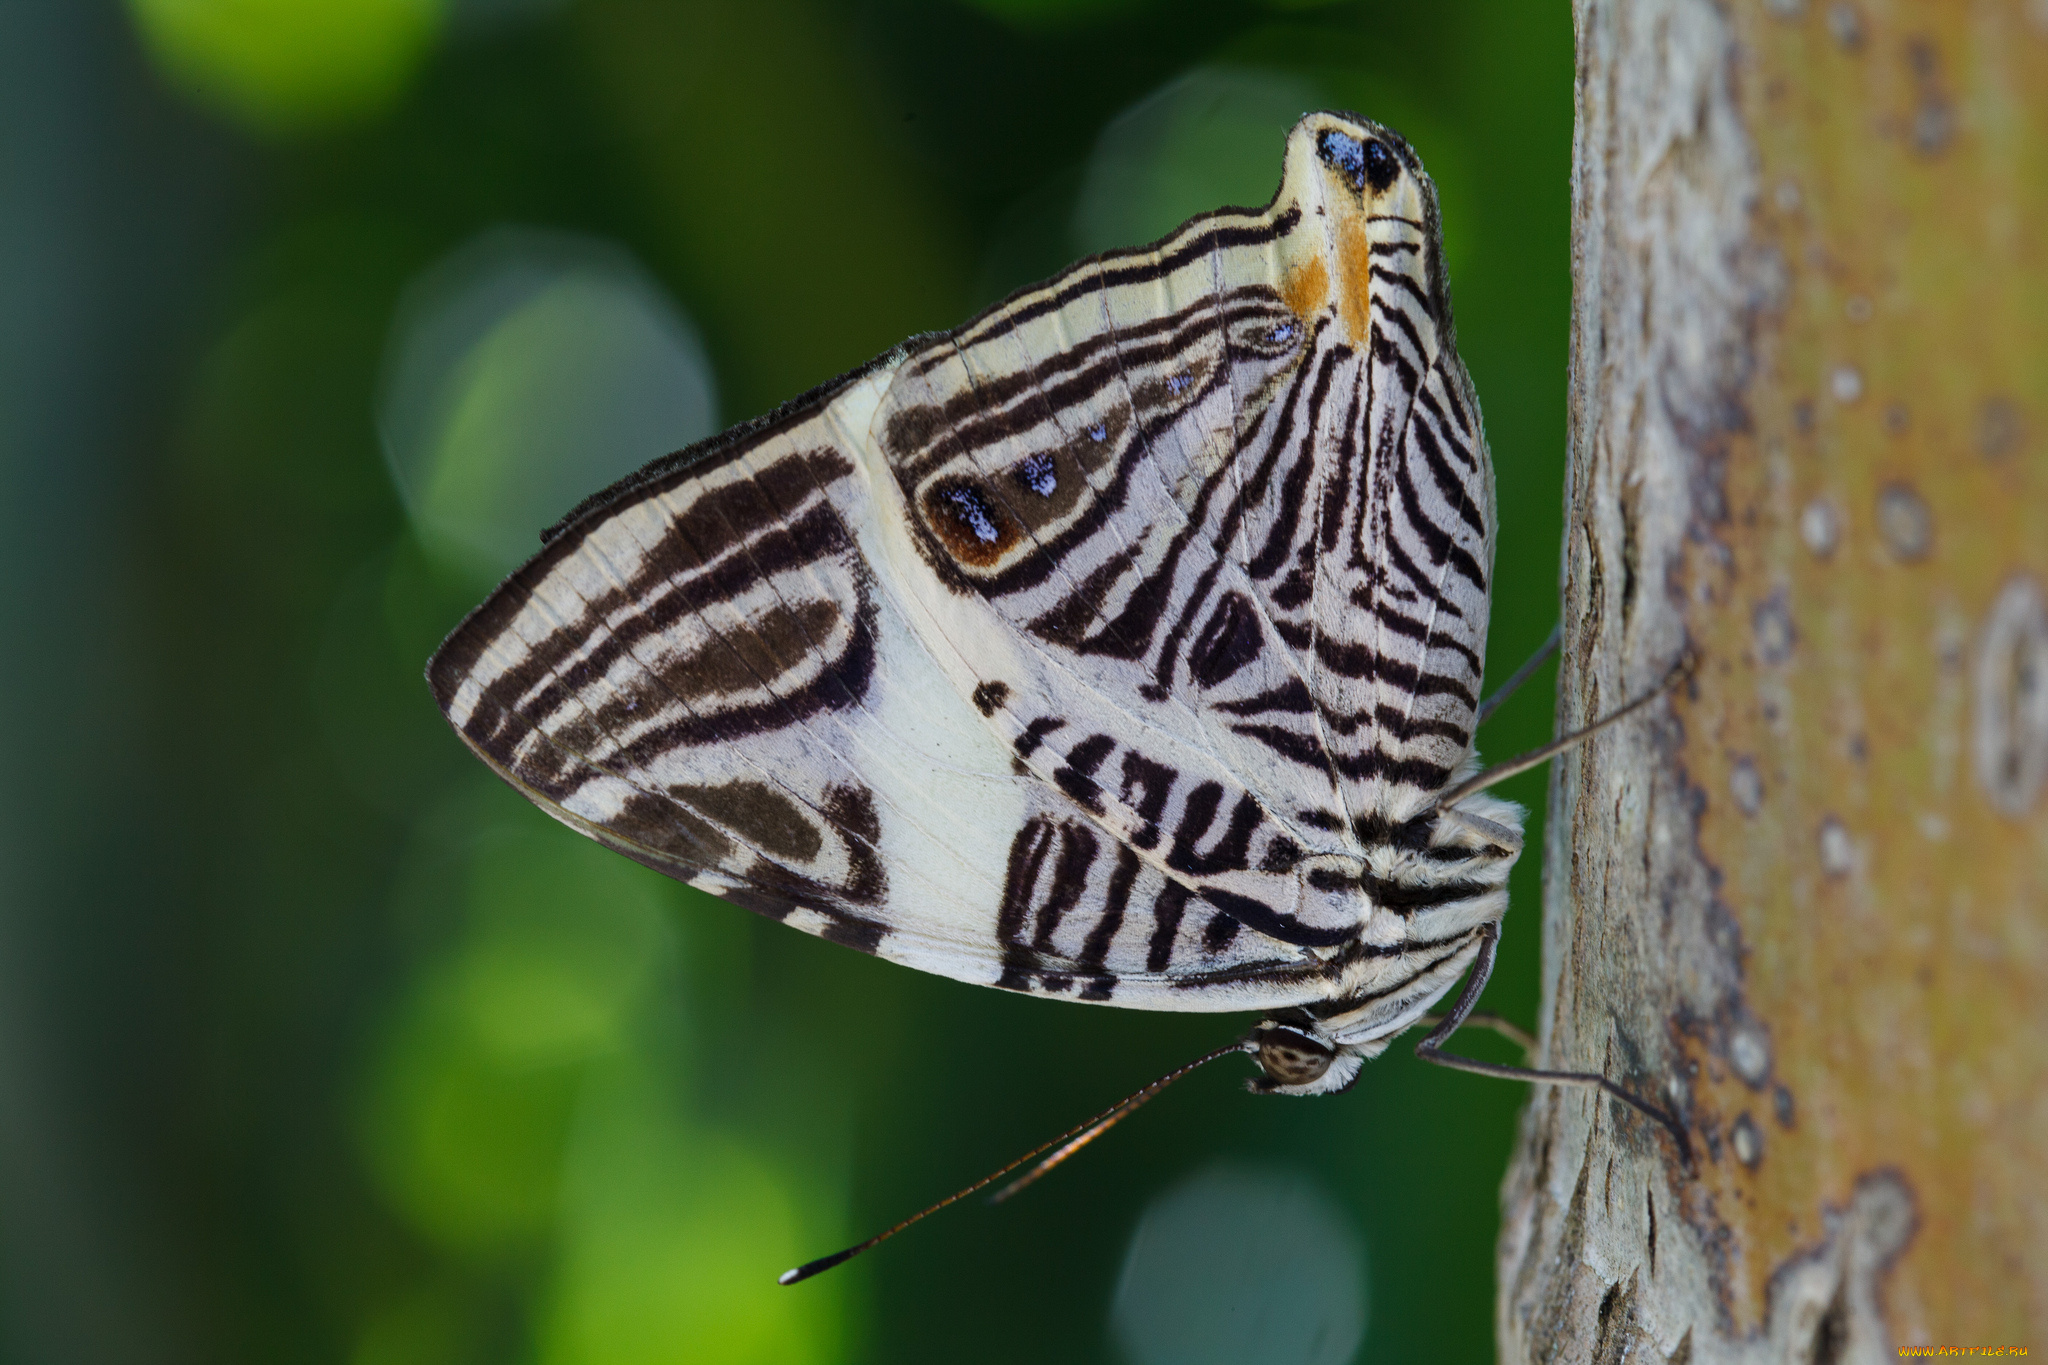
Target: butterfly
1121, 645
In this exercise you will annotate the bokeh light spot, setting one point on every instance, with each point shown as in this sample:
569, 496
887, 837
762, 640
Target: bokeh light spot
1210, 138
672, 1239
1213, 137
525, 372
472, 1096
288, 66
1238, 1264
466, 1147
563, 936
427, 1325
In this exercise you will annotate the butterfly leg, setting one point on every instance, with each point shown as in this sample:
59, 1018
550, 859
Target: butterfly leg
1520, 675
1430, 1049
1506, 1028
1501, 772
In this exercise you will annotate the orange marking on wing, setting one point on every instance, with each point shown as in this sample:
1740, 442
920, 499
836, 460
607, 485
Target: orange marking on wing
1306, 287
1354, 263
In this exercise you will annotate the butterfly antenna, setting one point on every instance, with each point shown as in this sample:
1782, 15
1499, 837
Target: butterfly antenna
1067, 1143
1087, 1133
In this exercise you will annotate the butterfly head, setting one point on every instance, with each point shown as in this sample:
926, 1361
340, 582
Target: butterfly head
1298, 1058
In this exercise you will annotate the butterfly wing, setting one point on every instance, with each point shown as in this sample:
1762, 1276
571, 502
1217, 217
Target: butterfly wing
1057, 653
713, 673
1213, 523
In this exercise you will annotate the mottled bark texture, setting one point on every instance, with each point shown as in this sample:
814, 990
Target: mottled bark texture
1806, 904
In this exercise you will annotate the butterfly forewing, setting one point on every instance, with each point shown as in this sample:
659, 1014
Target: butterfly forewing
1110, 645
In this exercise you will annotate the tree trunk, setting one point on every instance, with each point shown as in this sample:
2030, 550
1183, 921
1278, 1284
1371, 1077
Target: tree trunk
1804, 904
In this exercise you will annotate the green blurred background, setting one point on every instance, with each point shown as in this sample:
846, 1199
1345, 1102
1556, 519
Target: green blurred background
317, 1044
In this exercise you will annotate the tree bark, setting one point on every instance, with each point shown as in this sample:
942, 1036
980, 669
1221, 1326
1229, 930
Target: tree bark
1806, 904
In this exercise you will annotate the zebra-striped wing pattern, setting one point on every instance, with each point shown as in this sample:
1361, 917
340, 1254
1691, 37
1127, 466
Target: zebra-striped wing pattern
1115, 644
